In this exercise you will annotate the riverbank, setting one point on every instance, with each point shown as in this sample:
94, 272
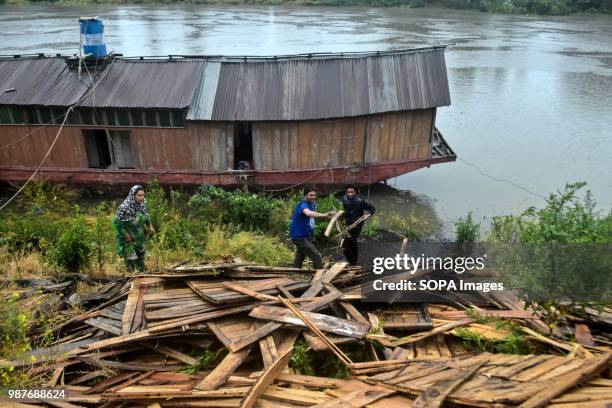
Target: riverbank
539, 7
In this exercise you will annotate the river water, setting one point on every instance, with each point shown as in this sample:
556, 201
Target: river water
531, 96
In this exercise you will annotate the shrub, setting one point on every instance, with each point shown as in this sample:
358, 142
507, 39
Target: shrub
544, 253
467, 231
248, 210
74, 246
157, 203
40, 196
29, 232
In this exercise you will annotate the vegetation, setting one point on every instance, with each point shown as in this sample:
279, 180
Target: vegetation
467, 232
558, 257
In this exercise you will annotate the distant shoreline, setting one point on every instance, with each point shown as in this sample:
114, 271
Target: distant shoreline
519, 7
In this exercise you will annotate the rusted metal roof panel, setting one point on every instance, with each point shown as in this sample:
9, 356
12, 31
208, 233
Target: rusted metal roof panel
40, 81
303, 89
147, 84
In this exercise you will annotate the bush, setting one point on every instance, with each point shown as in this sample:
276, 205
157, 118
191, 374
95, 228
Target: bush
73, 248
249, 210
467, 231
157, 203
29, 232
544, 253
41, 196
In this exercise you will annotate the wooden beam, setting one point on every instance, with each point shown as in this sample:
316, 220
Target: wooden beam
589, 369
265, 380
223, 371
332, 222
434, 396
343, 357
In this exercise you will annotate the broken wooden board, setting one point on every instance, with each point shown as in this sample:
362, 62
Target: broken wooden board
330, 324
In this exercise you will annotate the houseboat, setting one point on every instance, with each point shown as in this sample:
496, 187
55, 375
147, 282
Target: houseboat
324, 119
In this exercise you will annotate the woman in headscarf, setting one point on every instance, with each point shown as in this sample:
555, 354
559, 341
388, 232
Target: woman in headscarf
132, 222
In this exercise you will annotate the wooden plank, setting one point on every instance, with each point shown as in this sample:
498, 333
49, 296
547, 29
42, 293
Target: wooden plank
440, 329
248, 292
130, 309
295, 396
332, 222
266, 379
268, 349
358, 398
343, 357
434, 396
226, 368
331, 324
588, 370
272, 326
354, 313
316, 285
461, 314
170, 352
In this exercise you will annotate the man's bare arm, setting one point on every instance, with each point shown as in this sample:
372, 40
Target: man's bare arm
316, 214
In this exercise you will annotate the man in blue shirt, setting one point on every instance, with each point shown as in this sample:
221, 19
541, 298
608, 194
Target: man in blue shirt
302, 228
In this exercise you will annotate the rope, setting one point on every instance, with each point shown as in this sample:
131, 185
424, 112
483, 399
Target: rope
501, 180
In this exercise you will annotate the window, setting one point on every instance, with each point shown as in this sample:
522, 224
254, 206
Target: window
243, 146
87, 117
164, 119
6, 117
45, 115
32, 116
178, 118
136, 118
113, 150
150, 118
124, 117
111, 120
98, 150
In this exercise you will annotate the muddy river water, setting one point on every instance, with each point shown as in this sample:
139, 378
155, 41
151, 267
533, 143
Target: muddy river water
531, 96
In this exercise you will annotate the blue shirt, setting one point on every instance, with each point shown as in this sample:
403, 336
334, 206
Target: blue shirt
301, 225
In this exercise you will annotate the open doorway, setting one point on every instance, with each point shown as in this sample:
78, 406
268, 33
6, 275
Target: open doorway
243, 146
108, 149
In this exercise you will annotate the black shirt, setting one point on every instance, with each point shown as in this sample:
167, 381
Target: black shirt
353, 209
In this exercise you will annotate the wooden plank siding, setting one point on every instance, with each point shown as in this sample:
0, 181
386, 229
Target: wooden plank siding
69, 151
199, 146
375, 139
209, 146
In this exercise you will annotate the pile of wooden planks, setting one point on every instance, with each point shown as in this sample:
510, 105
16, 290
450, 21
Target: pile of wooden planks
223, 335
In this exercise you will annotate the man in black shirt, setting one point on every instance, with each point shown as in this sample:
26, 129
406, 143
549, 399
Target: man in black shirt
354, 207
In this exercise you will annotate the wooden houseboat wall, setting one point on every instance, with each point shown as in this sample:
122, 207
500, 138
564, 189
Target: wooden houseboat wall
377, 125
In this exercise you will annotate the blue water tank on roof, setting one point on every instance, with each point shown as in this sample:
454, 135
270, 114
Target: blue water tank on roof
92, 30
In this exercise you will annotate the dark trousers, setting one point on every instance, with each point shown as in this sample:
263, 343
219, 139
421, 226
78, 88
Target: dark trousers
350, 245
305, 248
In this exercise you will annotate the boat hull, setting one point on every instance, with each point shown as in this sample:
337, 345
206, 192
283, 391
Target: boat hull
331, 176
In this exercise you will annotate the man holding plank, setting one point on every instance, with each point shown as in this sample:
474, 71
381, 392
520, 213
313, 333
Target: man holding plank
354, 209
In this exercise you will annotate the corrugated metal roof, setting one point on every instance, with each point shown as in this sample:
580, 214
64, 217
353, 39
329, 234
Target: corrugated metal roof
39, 81
303, 89
241, 89
204, 99
147, 84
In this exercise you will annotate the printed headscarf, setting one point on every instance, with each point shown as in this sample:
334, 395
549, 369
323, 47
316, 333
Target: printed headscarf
129, 208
